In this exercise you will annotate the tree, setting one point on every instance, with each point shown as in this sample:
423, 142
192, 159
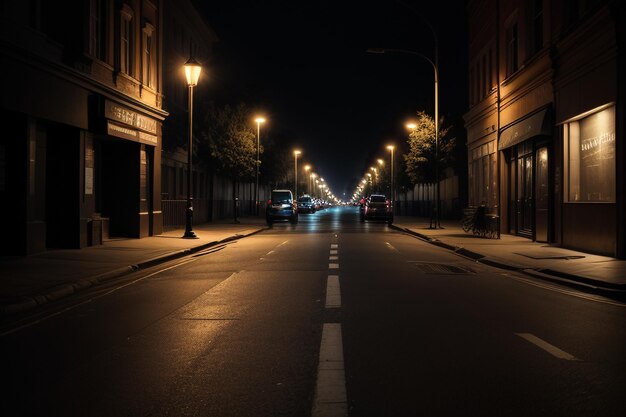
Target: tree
228, 141
421, 164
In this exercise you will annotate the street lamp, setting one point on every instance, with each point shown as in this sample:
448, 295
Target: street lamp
192, 73
258, 121
313, 182
295, 172
392, 185
435, 66
308, 182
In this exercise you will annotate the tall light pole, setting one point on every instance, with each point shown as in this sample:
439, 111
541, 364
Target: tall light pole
392, 185
308, 181
295, 172
313, 182
192, 73
435, 66
258, 121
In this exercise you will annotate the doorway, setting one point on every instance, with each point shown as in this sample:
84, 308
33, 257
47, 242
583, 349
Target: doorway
530, 190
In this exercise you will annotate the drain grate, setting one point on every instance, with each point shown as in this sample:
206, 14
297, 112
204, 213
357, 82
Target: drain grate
434, 268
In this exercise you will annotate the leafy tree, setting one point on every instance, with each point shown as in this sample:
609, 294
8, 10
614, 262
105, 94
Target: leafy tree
228, 141
421, 165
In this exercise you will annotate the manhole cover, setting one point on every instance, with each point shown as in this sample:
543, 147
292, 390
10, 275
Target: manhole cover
434, 268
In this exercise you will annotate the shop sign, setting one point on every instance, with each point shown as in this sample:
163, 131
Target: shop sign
114, 129
128, 117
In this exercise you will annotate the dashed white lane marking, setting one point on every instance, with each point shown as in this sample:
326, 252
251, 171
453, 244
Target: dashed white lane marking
334, 246
270, 252
330, 390
333, 266
551, 349
333, 292
334, 251
333, 258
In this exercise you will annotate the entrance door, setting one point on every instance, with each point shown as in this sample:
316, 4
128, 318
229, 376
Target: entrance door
522, 189
525, 195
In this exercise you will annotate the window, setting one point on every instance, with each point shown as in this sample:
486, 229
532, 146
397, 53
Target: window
97, 29
537, 25
511, 49
126, 41
148, 52
484, 176
490, 71
471, 85
589, 145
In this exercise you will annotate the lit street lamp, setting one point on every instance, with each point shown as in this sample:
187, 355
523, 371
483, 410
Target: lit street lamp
295, 172
192, 73
308, 181
392, 185
436, 73
258, 121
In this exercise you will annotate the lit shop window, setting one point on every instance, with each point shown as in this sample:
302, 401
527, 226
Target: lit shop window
589, 144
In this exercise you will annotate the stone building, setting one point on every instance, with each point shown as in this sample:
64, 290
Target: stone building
81, 116
546, 119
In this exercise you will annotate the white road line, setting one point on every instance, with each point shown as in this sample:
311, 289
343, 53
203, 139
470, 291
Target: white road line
597, 299
330, 390
283, 243
334, 246
333, 292
333, 251
270, 252
333, 258
333, 266
390, 246
551, 349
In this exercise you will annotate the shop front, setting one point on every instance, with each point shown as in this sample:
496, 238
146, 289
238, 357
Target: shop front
120, 172
526, 147
589, 219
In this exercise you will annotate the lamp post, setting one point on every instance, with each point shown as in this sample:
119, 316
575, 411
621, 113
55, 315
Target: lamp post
295, 172
308, 181
192, 73
392, 191
258, 121
435, 66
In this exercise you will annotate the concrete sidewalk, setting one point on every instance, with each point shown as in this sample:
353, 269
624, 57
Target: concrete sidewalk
29, 281
542, 260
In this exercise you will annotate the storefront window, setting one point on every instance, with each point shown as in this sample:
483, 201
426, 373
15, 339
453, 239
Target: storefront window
483, 176
590, 158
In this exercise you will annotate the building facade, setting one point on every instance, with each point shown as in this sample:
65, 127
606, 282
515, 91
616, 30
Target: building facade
81, 110
546, 120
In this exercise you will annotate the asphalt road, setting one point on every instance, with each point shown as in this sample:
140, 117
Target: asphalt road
327, 317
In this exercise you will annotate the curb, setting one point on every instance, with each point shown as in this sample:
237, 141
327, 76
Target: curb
542, 273
64, 290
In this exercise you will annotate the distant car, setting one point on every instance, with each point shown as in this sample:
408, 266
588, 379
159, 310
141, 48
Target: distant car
281, 206
306, 204
377, 207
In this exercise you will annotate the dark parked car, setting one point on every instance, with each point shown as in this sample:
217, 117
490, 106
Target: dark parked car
306, 204
281, 207
377, 207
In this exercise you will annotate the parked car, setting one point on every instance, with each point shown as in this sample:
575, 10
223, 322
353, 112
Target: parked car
377, 207
281, 206
306, 204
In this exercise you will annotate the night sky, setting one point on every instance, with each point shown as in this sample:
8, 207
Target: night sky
304, 65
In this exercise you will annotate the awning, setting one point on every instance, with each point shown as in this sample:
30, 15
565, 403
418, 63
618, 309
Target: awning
536, 125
